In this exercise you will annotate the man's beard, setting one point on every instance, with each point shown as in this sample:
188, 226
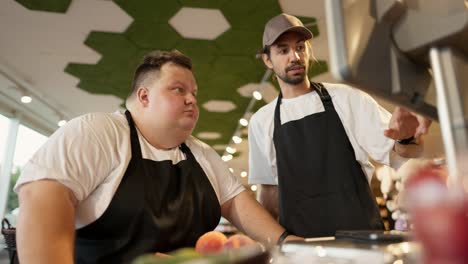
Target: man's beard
295, 79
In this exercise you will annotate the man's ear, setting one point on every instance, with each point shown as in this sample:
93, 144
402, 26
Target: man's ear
267, 61
142, 96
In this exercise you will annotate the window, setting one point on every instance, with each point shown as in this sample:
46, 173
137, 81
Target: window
28, 142
4, 122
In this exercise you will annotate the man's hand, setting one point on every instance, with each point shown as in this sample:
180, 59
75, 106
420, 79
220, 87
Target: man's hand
405, 124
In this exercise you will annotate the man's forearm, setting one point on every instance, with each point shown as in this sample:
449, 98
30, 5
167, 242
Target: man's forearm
268, 198
251, 218
45, 231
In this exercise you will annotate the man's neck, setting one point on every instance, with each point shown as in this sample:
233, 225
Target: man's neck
295, 90
161, 138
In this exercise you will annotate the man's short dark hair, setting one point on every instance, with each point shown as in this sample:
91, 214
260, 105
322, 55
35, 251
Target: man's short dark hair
267, 50
153, 61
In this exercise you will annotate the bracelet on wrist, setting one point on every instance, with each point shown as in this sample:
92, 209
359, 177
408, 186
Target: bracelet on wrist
282, 237
407, 141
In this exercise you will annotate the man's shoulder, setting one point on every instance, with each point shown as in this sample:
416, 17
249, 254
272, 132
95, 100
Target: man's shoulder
100, 119
343, 89
105, 126
199, 148
266, 111
338, 88
196, 144
192, 141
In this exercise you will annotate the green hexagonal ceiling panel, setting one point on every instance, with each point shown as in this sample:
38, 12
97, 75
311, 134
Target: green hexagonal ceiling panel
203, 3
150, 35
240, 42
221, 66
57, 6
250, 15
150, 10
113, 45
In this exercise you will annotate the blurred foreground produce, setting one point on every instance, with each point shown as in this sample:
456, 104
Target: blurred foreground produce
238, 241
179, 256
246, 255
213, 247
439, 215
210, 243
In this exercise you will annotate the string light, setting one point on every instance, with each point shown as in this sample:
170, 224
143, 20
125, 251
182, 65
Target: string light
243, 122
237, 139
231, 150
257, 95
227, 157
253, 188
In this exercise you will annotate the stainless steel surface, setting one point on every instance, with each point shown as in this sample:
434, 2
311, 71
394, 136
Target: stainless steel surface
450, 74
350, 252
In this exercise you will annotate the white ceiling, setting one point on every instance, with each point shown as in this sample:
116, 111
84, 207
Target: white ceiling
36, 46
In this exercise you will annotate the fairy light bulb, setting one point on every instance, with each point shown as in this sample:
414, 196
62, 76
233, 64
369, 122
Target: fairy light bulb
257, 95
243, 122
237, 139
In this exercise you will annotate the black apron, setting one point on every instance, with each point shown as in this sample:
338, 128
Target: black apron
322, 188
158, 207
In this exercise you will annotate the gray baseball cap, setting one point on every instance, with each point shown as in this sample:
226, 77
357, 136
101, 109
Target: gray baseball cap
281, 24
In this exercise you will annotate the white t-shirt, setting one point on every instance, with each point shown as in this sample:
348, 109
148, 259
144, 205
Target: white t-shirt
91, 154
363, 119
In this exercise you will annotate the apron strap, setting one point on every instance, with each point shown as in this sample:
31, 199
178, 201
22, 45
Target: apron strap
190, 158
277, 116
322, 92
135, 143
186, 150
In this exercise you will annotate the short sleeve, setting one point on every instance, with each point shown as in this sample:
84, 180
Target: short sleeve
74, 156
260, 165
369, 124
229, 186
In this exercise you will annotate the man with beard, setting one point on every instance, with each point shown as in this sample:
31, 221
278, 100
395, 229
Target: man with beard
310, 148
